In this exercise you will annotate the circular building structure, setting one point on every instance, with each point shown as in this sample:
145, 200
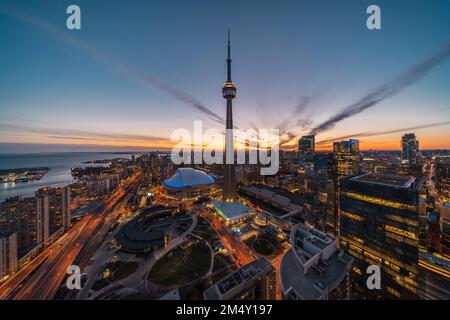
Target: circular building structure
150, 230
188, 184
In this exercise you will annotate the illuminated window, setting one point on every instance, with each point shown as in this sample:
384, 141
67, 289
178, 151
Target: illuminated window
352, 216
393, 292
357, 270
401, 232
383, 202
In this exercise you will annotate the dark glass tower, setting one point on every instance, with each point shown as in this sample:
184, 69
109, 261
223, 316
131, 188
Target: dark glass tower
379, 225
229, 92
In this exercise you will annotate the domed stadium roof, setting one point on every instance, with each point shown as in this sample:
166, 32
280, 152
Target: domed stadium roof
185, 177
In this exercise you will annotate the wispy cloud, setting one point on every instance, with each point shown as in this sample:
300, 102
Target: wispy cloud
136, 75
387, 90
379, 133
74, 134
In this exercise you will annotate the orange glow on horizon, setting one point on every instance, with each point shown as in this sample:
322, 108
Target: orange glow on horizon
392, 142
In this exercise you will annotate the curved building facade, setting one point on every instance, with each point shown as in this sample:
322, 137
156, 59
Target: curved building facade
188, 184
151, 229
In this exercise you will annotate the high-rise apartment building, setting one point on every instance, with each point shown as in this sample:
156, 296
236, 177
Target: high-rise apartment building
54, 202
8, 254
42, 217
18, 215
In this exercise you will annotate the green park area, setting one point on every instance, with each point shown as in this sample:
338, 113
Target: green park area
181, 265
265, 244
113, 271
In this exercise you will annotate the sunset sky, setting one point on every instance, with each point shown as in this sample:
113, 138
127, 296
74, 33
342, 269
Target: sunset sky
137, 70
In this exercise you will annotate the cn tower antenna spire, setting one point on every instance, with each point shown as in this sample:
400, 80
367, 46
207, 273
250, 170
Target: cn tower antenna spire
229, 56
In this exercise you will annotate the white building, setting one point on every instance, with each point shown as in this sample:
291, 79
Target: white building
314, 269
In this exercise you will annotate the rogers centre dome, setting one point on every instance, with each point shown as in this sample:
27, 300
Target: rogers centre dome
188, 184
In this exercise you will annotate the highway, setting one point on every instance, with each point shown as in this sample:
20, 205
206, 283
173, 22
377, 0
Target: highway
98, 236
41, 278
14, 283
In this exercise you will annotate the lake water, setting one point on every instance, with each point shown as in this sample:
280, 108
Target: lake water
58, 175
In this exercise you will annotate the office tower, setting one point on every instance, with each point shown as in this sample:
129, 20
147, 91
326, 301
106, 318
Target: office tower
348, 158
379, 225
254, 281
306, 145
8, 254
314, 269
320, 200
229, 93
410, 148
57, 203
345, 162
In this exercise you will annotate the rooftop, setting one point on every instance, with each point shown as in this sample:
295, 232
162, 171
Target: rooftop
386, 180
231, 210
313, 285
244, 274
147, 229
185, 177
314, 265
279, 197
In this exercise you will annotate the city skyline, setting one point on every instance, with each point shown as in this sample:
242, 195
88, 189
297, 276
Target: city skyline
129, 85
122, 175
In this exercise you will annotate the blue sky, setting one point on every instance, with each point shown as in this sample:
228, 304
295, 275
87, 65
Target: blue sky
55, 92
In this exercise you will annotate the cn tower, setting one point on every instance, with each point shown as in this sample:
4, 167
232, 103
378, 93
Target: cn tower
229, 92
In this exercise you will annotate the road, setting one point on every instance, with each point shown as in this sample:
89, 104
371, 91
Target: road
41, 278
238, 251
16, 280
276, 263
98, 236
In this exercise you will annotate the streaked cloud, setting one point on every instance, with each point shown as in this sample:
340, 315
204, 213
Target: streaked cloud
380, 133
387, 90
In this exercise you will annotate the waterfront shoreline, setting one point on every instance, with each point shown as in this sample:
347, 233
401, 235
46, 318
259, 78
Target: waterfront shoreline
59, 173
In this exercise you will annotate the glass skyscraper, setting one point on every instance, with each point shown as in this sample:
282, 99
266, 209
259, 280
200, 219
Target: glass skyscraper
379, 225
